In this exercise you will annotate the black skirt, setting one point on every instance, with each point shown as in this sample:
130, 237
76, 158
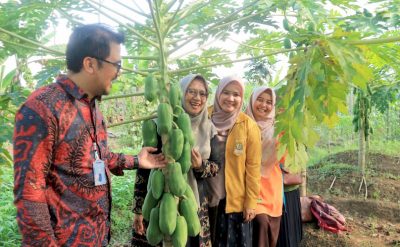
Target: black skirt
291, 231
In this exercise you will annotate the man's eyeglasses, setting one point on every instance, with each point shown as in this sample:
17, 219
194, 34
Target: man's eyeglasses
194, 93
116, 64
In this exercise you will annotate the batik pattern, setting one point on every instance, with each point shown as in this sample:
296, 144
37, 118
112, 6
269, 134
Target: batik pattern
56, 199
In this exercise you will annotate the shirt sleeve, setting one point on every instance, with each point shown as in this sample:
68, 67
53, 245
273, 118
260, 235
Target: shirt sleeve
33, 143
118, 162
209, 167
253, 163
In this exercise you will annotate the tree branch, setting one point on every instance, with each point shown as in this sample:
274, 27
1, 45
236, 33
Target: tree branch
132, 9
138, 119
140, 57
169, 6
122, 96
122, 24
219, 23
135, 71
189, 10
120, 14
255, 47
173, 17
375, 41
31, 42
236, 61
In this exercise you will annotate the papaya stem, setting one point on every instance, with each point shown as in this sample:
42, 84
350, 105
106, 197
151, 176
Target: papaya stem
138, 119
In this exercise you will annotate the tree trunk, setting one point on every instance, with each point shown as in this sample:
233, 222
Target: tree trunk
351, 107
303, 186
387, 124
329, 142
361, 147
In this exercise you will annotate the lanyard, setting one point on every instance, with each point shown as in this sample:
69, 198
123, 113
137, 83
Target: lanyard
93, 122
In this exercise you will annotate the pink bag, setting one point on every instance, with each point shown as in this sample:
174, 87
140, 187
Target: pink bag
328, 217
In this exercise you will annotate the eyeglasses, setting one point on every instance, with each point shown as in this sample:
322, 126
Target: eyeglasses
194, 93
116, 64
266, 101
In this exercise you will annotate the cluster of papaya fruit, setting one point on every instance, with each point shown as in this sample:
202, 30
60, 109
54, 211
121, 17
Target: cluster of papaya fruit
170, 206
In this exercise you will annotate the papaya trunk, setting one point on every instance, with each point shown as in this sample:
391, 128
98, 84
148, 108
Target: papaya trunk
303, 186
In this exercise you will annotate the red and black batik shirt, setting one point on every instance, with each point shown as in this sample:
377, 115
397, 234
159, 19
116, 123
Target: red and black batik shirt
56, 199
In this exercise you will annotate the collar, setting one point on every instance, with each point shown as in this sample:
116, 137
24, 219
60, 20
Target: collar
71, 88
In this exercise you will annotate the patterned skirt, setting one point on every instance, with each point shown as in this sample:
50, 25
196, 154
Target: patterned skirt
231, 230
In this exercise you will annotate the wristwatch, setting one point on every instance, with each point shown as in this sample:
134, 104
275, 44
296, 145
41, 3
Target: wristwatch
135, 161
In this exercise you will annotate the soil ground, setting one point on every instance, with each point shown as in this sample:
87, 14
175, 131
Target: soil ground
374, 221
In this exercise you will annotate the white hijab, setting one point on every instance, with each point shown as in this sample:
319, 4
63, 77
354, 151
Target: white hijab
266, 125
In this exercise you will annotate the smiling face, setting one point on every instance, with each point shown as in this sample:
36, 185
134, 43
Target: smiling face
230, 99
262, 106
108, 72
195, 97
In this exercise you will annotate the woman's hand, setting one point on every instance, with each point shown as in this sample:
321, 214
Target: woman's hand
249, 214
138, 224
196, 158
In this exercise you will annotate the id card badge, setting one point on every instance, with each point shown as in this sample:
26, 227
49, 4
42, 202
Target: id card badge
99, 171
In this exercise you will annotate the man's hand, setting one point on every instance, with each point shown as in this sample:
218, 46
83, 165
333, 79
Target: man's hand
147, 160
196, 158
138, 224
249, 214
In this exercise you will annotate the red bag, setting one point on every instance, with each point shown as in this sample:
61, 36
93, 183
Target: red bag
328, 217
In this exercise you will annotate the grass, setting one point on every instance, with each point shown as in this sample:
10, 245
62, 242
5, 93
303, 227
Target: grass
9, 235
121, 215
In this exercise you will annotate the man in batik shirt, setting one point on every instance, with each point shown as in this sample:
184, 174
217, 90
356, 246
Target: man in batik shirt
62, 164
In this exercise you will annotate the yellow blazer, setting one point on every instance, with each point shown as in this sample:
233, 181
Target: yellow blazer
242, 164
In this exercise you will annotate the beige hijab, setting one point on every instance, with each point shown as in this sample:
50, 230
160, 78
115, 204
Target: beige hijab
269, 154
203, 131
224, 121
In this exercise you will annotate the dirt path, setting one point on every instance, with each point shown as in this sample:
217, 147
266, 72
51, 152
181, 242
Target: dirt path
371, 222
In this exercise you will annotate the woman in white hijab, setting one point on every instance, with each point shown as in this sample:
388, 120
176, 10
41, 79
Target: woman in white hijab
234, 191
266, 224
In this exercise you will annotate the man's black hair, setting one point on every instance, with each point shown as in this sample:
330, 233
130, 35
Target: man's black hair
91, 40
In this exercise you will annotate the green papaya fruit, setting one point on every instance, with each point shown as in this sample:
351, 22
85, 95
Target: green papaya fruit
153, 233
164, 118
149, 133
168, 213
176, 182
157, 184
149, 203
287, 44
180, 236
185, 125
187, 210
186, 158
175, 95
150, 88
285, 23
175, 145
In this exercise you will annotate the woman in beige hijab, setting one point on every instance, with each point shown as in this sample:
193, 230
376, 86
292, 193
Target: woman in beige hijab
234, 191
195, 93
204, 165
